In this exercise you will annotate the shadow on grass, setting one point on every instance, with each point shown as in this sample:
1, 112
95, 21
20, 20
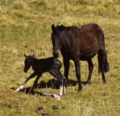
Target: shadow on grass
54, 84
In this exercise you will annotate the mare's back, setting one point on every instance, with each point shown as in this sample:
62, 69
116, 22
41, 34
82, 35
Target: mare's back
90, 28
86, 35
84, 41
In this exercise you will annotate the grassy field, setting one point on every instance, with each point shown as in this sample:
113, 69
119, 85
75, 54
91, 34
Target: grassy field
25, 27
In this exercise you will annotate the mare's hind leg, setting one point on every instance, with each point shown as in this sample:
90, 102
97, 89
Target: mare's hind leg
90, 66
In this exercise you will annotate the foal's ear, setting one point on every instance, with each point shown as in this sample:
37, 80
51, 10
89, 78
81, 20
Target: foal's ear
53, 27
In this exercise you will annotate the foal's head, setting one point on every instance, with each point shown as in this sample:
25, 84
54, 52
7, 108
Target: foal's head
57, 39
28, 62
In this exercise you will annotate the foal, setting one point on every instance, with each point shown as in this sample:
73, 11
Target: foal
40, 66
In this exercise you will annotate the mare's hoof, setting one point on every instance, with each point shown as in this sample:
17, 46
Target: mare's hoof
88, 83
80, 90
104, 82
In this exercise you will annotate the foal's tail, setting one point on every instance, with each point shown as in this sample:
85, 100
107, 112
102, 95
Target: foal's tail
102, 60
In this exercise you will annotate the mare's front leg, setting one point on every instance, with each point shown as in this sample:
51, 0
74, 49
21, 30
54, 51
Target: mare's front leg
77, 68
90, 66
66, 62
22, 86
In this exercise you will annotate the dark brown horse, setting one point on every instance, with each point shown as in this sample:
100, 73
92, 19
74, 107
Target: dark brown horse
80, 44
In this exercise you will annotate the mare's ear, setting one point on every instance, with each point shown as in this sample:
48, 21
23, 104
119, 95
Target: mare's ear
53, 27
61, 28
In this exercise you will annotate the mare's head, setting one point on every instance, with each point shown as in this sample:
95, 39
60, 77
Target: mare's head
29, 60
57, 39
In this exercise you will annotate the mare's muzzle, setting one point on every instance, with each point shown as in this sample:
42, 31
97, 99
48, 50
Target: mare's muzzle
56, 55
25, 70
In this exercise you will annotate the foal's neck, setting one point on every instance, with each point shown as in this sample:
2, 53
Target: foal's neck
34, 61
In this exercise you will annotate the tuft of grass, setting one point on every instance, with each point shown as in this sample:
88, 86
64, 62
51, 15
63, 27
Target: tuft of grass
19, 5
40, 2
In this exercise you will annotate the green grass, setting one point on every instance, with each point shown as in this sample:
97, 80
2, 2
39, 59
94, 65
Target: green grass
25, 27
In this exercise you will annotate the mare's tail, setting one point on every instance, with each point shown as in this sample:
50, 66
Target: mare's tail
102, 60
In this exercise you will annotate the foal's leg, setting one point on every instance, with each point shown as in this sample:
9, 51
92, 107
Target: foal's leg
55, 71
90, 66
56, 74
62, 87
61, 78
77, 67
62, 82
22, 86
35, 82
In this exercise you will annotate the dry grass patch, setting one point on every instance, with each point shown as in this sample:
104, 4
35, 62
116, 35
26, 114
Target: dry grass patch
27, 10
25, 27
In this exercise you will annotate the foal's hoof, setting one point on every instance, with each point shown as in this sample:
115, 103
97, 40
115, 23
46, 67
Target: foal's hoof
31, 92
64, 78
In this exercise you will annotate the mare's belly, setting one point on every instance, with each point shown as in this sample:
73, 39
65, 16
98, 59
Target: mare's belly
88, 53
87, 56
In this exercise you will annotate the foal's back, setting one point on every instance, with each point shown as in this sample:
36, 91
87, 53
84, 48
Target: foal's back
43, 65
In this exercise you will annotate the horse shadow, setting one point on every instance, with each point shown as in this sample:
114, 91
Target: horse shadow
54, 84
